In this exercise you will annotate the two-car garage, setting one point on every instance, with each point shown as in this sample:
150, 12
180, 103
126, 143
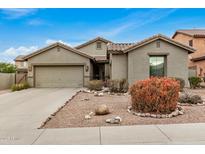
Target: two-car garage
58, 66
58, 76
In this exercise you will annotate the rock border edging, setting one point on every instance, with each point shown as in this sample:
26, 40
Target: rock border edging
177, 112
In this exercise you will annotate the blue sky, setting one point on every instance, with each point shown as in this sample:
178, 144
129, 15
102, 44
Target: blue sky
25, 30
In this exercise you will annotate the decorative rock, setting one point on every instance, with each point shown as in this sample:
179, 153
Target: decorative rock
86, 91
181, 113
91, 113
87, 117
180, 108
142, 114
158, 116
102, 110
147, 114
175, 113
170, 115
139, 114
105, 89
108, 120
100, 94
118, 118
115, 120
85, 99
153, 115
163, 116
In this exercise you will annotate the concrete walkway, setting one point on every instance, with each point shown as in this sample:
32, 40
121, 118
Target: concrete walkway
22, 112
141, 134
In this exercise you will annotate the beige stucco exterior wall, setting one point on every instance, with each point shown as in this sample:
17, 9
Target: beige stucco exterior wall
92, 50
138, 61
6, 80
119, 67
21, 64
107, 71
58, 57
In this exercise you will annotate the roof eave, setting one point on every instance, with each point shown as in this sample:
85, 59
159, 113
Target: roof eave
55, 45
156, 37
92, 41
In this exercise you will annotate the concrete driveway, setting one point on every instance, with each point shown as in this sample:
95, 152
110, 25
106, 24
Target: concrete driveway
22, 112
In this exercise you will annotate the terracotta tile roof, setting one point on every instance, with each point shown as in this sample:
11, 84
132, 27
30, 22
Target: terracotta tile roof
191, 32
91, 41
198, 58
19, 58
161, 37
118, 47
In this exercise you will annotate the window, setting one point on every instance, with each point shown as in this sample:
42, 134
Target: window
157, 65
191, 43
99, 45
158, 44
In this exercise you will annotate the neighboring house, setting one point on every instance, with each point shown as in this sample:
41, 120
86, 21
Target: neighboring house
59, 65
196, 39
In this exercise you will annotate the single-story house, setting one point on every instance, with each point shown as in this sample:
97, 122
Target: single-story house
59, 65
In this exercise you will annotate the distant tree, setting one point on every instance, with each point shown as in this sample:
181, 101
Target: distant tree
7, 68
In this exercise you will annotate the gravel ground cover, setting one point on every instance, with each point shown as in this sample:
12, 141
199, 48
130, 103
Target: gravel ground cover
73, 113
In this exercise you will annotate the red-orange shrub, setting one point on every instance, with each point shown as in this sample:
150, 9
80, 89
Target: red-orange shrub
155, 95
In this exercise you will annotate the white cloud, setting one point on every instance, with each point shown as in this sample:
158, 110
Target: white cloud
36, 22
17, 13
11, 53
51, 41
133, 21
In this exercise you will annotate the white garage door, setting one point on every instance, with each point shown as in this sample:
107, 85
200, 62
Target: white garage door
58, 76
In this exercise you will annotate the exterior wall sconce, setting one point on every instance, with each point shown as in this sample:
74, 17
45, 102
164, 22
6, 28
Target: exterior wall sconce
86, 68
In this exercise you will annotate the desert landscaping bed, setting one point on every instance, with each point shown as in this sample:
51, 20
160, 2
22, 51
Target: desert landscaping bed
73, 113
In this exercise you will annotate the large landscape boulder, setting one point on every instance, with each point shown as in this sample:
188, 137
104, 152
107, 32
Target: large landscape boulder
102, 110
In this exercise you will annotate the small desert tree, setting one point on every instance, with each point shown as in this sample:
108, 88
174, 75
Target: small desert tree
7, 67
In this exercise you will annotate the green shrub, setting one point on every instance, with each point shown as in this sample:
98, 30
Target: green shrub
194, 82
20, 86
118, 85
95, 84
7, 68
190, 99
181, 82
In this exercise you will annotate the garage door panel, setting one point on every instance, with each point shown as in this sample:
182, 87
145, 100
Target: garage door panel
59, 76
